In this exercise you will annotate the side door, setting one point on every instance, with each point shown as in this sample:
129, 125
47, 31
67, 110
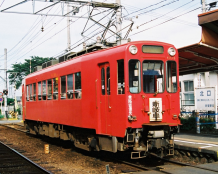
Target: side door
105, 98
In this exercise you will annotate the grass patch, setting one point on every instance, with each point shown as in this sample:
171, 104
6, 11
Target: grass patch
1, 116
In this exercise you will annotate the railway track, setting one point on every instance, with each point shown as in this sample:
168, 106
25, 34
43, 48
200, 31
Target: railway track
172, 167
11, 161
139, 168
204, 168
12, 127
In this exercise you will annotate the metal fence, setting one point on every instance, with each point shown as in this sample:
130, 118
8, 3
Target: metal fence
200, 115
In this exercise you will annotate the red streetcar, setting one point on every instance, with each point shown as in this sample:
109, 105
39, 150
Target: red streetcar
115, 99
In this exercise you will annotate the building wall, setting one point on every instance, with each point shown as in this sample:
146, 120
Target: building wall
207, 79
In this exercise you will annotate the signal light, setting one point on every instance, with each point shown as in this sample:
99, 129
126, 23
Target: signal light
5, 91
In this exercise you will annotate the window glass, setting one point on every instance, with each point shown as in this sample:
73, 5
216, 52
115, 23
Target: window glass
134, 76
34, 91
63, 87
102, 81
49, 88
153, 76
120, 77
44, 90
27, 93
171, 72
39, 91
152, 49
55, 88
70, 86
189, 86
189, 99
174, 87
31, 92
108, 81
78, 89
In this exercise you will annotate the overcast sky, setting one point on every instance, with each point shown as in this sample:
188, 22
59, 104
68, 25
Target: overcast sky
22, 36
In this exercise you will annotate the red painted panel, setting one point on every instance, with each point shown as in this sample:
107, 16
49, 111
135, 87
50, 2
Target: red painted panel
88, 111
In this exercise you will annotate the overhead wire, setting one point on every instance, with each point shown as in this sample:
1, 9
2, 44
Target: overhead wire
146, 7
31, 38
51, 37
164, 14
166, 21
50, 9
48, 39
78, 41
30, 30
2, 3
57, 32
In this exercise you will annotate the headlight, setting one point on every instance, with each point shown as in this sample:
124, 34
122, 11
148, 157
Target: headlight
171, 51
133, 49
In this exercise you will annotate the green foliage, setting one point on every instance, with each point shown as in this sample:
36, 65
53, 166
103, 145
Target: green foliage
207, 127
10, 102
19, 111
21, 70
1, 116
188, 124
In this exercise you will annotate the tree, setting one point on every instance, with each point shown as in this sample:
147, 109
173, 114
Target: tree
10, 102
21, 70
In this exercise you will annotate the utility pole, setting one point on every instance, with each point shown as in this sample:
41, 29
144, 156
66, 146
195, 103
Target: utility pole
6, 85
68, 29
203, 2
118, 23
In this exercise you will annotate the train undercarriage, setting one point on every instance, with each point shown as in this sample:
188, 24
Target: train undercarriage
157, 139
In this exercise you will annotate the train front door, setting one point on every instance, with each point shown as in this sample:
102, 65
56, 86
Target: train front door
105, 98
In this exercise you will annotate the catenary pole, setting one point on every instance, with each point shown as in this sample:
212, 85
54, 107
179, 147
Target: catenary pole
6, 85
68, 28
118, 23
203, 6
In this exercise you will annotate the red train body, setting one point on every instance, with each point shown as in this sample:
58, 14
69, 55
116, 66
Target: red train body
115, 99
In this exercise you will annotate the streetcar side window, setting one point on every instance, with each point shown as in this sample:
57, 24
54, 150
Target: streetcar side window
153, 76
31, 92
120, 77
78, 88
49, 89
108, 80
102, 81
70, 86
134, 76
39, 91
55, 88
27, 93
63, 87
44, 90
171, 77
34, 91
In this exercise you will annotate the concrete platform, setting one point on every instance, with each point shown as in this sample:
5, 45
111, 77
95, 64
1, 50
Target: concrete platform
173, 169
9, 121
197, 143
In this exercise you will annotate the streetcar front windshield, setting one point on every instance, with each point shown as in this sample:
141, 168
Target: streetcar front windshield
134, 76
153, 76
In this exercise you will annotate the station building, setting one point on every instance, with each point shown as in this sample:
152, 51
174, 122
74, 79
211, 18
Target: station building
198, 63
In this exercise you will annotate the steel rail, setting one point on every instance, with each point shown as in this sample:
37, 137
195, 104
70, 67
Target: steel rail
31, 163
6, 125
135, 165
